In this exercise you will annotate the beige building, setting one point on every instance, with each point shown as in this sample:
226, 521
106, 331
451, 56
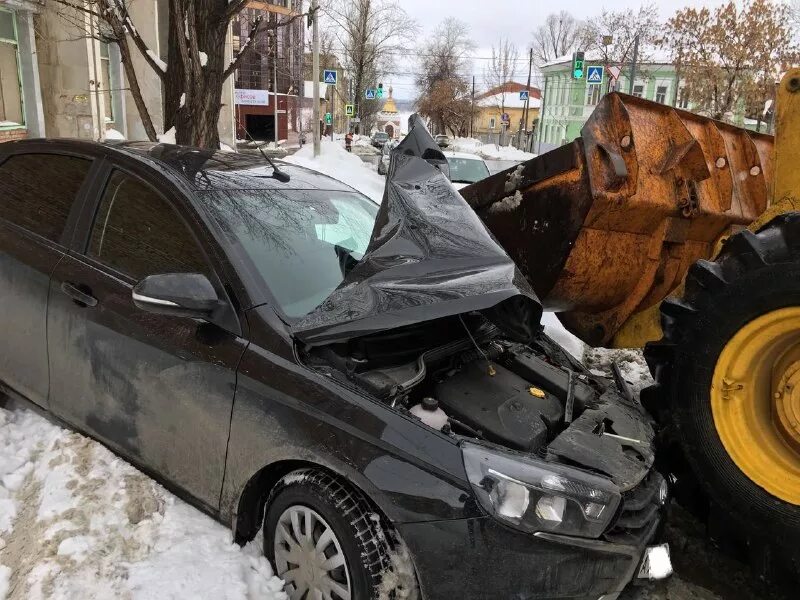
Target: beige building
58, 80
499, 112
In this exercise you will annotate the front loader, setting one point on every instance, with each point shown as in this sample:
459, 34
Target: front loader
666, 230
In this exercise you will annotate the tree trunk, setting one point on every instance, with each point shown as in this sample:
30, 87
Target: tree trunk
193, 91
136, 90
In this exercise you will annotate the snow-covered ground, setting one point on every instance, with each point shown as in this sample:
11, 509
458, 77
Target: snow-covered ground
489, 151
77, 522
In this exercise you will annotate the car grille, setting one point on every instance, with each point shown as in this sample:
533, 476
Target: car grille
639, 513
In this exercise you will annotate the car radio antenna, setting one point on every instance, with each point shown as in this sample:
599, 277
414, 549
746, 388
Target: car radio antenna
281, 176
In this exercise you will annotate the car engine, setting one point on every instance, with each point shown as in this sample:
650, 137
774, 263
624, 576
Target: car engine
460, 375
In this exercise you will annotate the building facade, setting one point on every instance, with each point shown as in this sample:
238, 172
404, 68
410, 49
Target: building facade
21, 110
57, 79
274, 66
499, 112
568, 102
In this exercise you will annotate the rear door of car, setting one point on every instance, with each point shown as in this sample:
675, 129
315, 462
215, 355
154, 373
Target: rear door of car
41, 192
158, 389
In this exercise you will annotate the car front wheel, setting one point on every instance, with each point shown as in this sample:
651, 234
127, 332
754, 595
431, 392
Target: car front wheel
326, 542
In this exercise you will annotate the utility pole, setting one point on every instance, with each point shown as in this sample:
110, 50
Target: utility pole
527, 100
472, 109
633, 64
315, 73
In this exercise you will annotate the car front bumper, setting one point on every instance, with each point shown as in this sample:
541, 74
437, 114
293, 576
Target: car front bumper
482, 559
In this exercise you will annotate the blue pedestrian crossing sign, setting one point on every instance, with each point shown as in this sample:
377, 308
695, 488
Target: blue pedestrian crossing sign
594, 74
370, 94
329, 77
523, 95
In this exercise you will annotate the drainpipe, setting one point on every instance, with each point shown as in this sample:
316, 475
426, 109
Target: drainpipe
96, 116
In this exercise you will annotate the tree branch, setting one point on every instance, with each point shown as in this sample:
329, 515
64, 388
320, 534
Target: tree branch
260, 25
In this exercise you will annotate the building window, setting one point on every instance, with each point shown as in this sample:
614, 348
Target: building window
661, 94
11, 110
106, 89
492, 122
592, 95
638, 91
683, 97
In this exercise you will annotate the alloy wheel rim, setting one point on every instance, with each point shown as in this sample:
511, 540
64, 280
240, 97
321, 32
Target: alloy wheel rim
309, 557
755, 402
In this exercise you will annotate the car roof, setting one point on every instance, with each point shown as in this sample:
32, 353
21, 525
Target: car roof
463, 155
202, 169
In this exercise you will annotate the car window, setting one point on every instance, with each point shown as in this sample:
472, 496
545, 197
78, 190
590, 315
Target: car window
138, 233
37, 191
301, 242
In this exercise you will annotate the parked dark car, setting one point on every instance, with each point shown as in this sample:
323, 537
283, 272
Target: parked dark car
383, 404
442, 140
379, 138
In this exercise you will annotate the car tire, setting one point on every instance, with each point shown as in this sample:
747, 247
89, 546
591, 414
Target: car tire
359, 551
754, 275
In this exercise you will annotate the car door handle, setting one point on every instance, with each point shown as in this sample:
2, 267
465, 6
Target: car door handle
79, 296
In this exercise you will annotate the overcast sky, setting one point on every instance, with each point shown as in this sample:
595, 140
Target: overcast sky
515, 19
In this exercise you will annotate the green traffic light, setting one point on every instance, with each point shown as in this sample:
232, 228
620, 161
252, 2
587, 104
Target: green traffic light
577, 74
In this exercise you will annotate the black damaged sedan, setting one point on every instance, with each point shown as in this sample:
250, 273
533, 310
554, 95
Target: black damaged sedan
369, 385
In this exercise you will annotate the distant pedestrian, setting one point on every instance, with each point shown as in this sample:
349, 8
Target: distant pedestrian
302, 138
348, 142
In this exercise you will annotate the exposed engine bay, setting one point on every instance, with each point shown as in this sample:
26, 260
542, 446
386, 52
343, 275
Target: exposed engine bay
460, 375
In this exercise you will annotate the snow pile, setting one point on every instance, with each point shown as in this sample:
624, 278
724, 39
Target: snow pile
489, 151
342, 165
559, 334
630, 360
113, 134
168, 137
78, 522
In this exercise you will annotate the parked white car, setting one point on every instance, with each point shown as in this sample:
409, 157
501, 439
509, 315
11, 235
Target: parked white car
466, 168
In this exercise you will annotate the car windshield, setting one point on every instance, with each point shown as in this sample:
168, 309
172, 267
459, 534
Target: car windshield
301, 242
381, 136
467, 170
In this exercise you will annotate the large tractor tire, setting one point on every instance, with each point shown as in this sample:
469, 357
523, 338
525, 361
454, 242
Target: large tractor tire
727, 375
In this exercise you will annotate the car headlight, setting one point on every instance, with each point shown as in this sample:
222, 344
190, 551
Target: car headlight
534, 495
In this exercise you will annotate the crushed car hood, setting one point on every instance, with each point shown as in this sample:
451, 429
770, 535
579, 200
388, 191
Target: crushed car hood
430, 256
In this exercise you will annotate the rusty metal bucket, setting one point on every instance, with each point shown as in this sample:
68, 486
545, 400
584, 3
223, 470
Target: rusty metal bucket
606, 227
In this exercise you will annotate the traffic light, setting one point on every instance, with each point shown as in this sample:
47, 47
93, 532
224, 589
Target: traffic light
380, 91
577, 65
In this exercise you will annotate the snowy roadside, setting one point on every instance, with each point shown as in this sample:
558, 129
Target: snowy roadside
348, 168
489, 151
76, 521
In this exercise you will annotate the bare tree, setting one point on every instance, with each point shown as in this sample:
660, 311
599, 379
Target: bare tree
195, 71
502, 69
443, 89
624, 26
560, 34
370, 34
732, 55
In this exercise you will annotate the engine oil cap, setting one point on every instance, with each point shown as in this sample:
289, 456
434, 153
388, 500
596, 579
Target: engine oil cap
536, 392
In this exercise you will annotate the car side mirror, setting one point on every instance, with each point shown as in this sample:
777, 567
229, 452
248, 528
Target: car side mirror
177, 294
